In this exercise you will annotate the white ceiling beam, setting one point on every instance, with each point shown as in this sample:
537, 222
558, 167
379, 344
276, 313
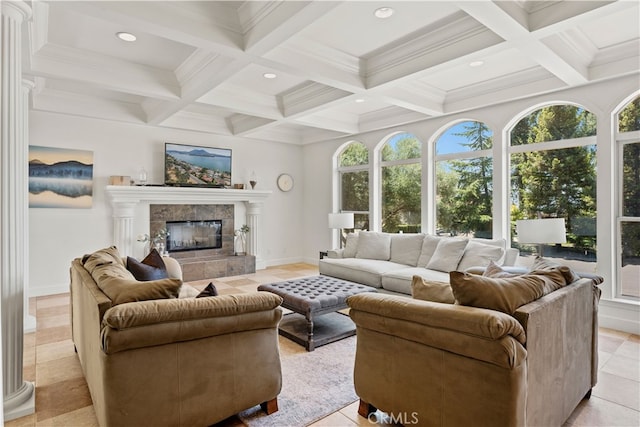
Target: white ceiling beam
442, 43
503, 24
239, 100
282, 22
199, 122
55, 61
241, 125
345, 124
211, 74
87, 106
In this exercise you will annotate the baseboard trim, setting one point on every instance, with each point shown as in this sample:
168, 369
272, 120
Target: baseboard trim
619, 316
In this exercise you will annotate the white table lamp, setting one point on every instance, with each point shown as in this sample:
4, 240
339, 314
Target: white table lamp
541, 231
341, 221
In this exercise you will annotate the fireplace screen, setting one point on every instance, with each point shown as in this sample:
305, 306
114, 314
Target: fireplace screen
194, 235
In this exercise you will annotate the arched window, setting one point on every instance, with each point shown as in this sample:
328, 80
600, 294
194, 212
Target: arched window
464, 180
401, 176
628, 145
353, 170
553, 175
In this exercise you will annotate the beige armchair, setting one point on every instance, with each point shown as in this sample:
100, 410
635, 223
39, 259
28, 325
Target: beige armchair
436, 364
174, 362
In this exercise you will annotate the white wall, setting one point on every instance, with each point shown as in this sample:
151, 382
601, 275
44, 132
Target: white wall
57, 236
601, 99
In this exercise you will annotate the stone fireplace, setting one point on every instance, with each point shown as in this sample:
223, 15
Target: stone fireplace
193, 235
131, 203
193, 231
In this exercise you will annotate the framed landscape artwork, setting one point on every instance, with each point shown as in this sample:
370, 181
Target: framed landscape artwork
60, 178
197, 166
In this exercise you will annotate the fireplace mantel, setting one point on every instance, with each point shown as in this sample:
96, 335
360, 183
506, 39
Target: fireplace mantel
124, 200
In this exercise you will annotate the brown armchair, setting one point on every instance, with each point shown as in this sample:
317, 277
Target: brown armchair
437, 364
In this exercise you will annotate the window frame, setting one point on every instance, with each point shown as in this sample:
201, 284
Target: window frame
399, 162
341, 170
559, 144
460, 155
622, 139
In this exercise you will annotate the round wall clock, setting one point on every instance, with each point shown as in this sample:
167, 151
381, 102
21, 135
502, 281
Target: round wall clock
285, 182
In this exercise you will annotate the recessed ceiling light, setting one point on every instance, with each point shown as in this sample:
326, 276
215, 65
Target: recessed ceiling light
128, 37
383, 12
359, 100
269, 75
476, 63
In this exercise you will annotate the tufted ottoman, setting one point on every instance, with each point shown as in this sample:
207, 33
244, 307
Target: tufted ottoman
311, 297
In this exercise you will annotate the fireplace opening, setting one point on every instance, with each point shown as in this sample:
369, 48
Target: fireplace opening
194, 235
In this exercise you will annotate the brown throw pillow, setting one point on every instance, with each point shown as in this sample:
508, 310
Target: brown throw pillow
429, 290
209, 291
502, 294
121, 290
150, 268
494, 270
541, 263
102, 257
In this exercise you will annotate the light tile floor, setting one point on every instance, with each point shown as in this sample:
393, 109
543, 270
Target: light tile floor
62, 397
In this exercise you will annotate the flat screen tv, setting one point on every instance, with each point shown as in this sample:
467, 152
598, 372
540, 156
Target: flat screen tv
196, 166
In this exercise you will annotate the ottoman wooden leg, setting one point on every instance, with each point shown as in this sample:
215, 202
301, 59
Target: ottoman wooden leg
310, 344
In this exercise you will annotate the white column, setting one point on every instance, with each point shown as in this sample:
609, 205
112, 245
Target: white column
253, 242
123, 227
18, 395
27, 87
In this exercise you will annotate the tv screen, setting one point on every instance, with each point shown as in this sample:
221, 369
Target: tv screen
196, 166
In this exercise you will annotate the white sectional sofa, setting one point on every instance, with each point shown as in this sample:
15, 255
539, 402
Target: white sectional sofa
389, 261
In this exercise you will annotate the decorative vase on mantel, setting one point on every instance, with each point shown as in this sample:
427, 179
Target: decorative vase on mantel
253, 180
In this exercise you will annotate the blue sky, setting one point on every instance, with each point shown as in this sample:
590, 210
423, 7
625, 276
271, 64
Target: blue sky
447, 143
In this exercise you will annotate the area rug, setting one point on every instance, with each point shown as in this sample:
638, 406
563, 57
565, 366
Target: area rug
314, 384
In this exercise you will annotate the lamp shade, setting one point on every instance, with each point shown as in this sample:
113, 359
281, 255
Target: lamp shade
545, 230
341, 220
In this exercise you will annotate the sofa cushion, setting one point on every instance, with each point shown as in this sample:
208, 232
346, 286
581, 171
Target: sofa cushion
503, 294
351, 246
429, 244
374, 245
428, 290
150, 268
479, 254
406, 248
366, 271
399, 279
447, 255
121, 290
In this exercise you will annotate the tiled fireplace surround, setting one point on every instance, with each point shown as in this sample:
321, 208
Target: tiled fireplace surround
128, 203
205, 263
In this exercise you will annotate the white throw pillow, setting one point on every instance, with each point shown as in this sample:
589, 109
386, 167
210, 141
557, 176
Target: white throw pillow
374, 245
351, 246
429, 245
447, 255
479, 255
405, 248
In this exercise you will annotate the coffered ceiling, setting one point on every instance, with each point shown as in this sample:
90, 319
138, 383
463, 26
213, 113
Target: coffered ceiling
339, 69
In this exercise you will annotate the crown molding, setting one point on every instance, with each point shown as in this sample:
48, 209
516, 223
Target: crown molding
309, 96
452, 37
